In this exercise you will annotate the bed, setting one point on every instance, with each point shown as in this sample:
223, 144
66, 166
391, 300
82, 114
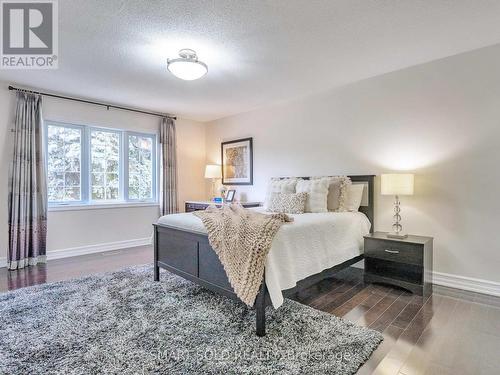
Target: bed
333, 241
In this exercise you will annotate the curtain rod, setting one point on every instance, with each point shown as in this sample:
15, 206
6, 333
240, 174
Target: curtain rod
108, 106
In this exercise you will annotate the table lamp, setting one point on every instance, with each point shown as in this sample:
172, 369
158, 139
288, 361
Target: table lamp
214, 172
397, 184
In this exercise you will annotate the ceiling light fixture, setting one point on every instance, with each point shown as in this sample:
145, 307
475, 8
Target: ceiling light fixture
187, 66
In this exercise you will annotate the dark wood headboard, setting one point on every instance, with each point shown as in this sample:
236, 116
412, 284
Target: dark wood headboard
367, 205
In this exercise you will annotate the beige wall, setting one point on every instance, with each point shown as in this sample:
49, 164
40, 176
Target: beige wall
440, 120
69, 229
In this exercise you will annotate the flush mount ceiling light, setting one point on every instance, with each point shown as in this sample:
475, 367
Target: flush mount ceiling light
187, 66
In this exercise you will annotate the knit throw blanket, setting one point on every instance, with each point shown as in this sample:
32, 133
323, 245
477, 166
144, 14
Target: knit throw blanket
242, 238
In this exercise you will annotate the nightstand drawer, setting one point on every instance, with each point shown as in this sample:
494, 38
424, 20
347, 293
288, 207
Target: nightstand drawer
409, 273
199, 206
190, 207
394, 251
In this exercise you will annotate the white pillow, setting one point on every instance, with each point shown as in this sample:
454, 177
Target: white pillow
337, 192
317, 193
276, 185
354, 197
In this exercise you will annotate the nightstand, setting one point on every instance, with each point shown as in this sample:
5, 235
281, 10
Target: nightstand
405, 263
191, 206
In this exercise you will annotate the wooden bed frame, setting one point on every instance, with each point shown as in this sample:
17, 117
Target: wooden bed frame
189, 254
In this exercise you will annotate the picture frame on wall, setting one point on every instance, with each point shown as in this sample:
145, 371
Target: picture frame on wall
237, 162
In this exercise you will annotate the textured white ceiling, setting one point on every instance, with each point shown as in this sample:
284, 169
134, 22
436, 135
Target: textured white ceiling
258, 52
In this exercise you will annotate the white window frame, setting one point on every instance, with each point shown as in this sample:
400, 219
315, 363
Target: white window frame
154, 186
121, 196
83, 172
86, 201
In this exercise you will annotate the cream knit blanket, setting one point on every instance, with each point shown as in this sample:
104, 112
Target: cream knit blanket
242, 238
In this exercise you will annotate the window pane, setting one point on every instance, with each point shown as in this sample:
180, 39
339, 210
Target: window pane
140, 155
105, 165
64, 156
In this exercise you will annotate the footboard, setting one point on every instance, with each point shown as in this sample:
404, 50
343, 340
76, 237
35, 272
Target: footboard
189, 254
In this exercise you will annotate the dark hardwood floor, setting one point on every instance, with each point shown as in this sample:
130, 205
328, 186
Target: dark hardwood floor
450, 332
68, 268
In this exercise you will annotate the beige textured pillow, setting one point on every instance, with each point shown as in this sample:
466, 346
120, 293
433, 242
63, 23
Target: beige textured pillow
317, 193
276, 185
338, 187
354, 197
288, 203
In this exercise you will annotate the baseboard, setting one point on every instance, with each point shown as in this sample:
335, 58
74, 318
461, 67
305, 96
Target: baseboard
91, 249
470, 284
466, 283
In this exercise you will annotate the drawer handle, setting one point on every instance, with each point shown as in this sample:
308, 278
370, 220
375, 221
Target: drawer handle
392, 251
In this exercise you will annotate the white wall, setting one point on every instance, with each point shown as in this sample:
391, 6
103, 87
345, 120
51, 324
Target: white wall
440, 120
69, 229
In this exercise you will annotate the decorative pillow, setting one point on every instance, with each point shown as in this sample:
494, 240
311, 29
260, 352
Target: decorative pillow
288, 203
276, 185
317, 193
354, 197
337, 192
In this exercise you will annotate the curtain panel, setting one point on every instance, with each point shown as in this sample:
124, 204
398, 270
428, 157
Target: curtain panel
168, 167
27, 186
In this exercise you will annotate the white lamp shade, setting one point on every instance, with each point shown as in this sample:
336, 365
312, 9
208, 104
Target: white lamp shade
397, 184
213, 171
187, 70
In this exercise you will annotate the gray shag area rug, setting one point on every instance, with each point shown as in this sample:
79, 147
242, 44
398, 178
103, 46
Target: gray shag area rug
125, 323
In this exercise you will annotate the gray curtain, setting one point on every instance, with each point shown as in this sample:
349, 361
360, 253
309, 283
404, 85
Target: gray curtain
27, 186
168, 167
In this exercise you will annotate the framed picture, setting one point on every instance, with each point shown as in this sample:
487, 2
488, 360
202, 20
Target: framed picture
230, 195
237, 162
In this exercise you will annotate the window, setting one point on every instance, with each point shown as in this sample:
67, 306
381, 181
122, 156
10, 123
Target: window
88, 165
64, 159
140, 167
105, 165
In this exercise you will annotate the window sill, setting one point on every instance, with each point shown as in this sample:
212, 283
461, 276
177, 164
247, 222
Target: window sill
100, 206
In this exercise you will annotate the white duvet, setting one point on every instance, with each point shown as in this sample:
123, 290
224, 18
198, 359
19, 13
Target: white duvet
310, 244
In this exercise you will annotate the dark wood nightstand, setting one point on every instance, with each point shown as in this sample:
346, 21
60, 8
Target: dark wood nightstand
406, 263
191, 206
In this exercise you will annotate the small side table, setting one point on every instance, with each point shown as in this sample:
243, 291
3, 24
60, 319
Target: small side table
405, 263
191, 206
